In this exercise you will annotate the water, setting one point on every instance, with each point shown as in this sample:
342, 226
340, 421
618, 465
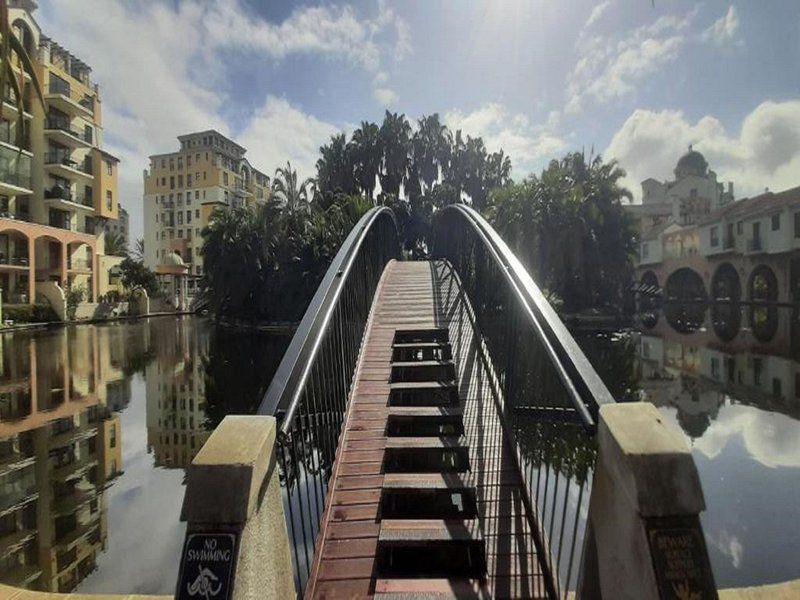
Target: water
97, 426
98, 423
728, 377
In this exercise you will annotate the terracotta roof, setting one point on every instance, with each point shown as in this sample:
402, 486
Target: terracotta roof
749, 207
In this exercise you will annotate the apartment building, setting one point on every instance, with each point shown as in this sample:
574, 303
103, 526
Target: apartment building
58, 187
182, 190
119, 226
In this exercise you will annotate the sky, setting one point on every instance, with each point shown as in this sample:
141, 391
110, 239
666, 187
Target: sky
633, 80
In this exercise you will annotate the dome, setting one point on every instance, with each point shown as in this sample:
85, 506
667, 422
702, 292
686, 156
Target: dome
173, 259
691, 163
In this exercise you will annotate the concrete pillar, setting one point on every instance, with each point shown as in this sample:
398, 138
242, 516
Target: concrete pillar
644, 538
95, 262
31, 271
64, 275
236, 545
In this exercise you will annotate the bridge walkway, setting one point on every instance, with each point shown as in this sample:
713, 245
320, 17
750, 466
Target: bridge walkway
425, 493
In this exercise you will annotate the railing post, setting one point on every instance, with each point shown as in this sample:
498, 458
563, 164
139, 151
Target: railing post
236, 544
644, 538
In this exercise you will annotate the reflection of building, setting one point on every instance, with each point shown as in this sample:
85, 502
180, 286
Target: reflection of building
176, 399
57, 184
59, 446
182, 190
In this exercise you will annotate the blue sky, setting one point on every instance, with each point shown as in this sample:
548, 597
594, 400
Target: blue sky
635, 80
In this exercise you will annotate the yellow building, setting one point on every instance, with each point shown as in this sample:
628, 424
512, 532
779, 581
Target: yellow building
57, 189
183, 189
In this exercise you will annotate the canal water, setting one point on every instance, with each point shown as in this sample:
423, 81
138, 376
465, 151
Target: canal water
98, 424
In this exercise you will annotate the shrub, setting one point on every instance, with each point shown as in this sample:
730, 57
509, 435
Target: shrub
74, 296
29, 313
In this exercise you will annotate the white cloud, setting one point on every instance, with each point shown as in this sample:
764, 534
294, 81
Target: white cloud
160, 74
764, 153
609, 68
279, 132
723, 30
527, 145
597, 12
385, 96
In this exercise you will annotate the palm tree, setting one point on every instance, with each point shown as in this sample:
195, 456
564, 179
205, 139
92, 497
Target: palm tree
366, 153
335, 166
286, 189
395, 140
430, 146
138, 250
116, 245
11, 47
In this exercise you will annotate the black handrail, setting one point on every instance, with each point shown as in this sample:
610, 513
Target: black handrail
310, 391
284, 391
582, 383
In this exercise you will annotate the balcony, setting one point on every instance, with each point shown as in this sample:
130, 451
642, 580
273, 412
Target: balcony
74, 469
15, 172
62, 164
60, 94
10, 111
754, 245
728, 242
60, 131
14, 261
63, 198
79, 264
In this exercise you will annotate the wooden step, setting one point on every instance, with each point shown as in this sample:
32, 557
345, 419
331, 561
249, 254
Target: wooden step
402, 531
423, 370
421, 351
426, 411
437, 481
405, 336
427, 393
441, 589
412, 443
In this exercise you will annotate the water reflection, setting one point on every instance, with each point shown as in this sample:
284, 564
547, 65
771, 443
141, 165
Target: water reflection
94, 421
728, 376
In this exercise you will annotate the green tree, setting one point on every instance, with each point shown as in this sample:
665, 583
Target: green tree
335, 168
569, 228
366, 154
286, 189
395, 140
138, 250
115, 244
135, 274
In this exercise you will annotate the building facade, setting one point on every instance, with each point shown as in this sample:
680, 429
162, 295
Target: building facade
57, 185
182, 190
120, 226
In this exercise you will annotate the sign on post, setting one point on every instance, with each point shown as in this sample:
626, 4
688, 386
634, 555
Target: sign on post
207, 566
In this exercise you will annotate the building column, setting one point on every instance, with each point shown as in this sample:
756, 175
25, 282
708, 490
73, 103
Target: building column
95, 260
31, 270
64, 275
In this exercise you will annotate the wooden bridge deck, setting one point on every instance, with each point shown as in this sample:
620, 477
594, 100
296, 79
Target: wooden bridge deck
346, 557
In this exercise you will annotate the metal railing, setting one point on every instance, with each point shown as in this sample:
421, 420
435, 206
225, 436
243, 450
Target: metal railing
548, 393
311, 388
65, 126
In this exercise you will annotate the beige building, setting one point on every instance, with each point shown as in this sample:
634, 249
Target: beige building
58, 187
182, 190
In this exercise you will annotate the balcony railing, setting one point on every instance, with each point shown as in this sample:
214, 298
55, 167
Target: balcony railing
15, 261
61, 193
754, 244
78, 263
15, 168
728, 243
65, 126
65, 159
63, 88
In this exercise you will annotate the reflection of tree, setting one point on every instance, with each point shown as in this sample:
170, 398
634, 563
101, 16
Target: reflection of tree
764, 322
231, 353
564, 447
685, 317
614, 359
310, 448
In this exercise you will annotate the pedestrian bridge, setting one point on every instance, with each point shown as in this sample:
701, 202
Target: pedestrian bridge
439, 432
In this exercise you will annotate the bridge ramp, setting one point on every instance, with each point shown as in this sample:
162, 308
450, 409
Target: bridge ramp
425, 493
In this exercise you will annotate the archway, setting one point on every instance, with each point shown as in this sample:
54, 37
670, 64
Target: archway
725, 284
685, 285
763, 286
25, 36
726, 319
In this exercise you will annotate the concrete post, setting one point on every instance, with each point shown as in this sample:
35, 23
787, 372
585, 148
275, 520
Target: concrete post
31, 271
236, 543
644, 538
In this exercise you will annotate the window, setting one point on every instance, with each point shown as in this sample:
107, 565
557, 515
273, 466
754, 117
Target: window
714, 236
156, 219
180, 218
196, 213
163, 163
197, 157
715, 367
776, 222
188, 217
189, 180
693, 193
171, 164
180, 181
180, 163
225, 178
740, 227
197, 194
109, 168
645, 250
172, 182
797, 224
163, 181
180, 233
109, 200
189, 161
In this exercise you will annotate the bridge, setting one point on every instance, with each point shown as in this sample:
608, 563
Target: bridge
441, 433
